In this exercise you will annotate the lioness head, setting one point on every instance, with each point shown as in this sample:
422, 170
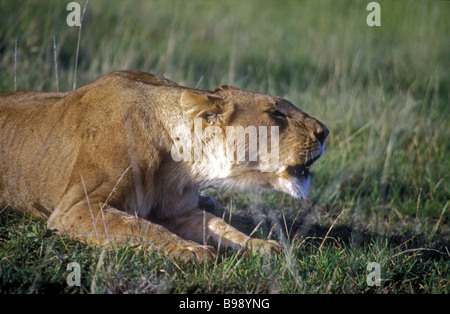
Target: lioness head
245, 140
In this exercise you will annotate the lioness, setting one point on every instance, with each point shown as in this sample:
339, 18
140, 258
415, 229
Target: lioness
98, 162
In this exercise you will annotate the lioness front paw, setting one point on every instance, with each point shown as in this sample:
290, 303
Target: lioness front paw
193, 252
265, 247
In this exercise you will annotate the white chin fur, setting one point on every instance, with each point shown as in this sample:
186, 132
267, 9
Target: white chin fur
296, 187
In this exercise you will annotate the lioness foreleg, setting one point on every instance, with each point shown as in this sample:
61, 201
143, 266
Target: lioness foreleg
201, 226
110, 225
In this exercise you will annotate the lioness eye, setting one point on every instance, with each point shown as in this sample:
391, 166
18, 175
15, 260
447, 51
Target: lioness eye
277, 114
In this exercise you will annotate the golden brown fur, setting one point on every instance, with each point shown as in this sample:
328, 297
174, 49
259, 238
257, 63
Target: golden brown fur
97, 162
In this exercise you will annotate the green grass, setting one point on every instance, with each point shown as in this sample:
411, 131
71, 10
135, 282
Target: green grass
33, 260
380, 193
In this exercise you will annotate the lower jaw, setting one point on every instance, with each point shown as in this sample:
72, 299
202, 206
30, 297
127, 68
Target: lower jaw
298, 171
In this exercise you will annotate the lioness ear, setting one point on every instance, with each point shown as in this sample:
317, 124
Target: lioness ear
211, 108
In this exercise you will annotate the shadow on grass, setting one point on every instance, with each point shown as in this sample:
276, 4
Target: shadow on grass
316, 234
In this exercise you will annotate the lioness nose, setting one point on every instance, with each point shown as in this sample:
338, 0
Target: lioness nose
321, 132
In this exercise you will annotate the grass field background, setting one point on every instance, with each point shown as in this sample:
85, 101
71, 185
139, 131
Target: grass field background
379, 194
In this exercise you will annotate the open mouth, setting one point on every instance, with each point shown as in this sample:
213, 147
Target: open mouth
302, 170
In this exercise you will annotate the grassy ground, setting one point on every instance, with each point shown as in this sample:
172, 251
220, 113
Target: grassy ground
380, 194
